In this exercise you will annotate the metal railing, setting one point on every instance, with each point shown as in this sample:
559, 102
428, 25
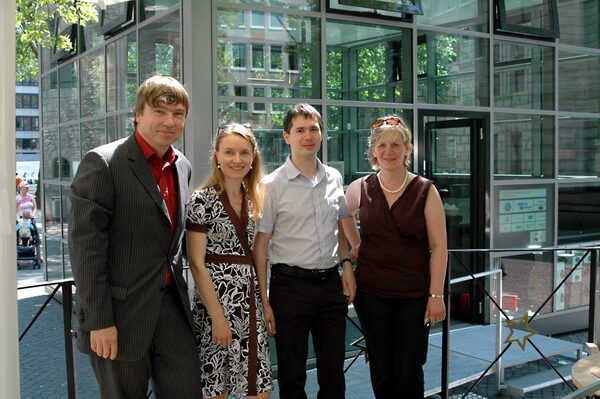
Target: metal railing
65, 287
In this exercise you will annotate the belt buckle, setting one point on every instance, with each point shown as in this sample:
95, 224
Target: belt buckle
322, 274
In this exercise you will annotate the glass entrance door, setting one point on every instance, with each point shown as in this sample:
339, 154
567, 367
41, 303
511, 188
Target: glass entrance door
454, 161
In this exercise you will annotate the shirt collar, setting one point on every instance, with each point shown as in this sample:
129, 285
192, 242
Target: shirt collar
148, 152
292, 171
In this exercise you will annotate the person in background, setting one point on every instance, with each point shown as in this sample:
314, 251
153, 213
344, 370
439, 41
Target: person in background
227, 307
25, 201
126, 226
402, 253
300, 229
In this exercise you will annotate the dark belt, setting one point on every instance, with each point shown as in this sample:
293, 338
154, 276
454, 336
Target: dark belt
295, 271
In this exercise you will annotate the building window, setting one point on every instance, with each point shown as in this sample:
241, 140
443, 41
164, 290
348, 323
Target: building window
258, 56
538, 19
27, 101
257, 20
239, 55
27, 123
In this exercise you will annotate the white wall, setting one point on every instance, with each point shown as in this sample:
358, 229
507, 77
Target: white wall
9, 341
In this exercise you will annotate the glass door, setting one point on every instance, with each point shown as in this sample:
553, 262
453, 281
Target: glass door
454, 160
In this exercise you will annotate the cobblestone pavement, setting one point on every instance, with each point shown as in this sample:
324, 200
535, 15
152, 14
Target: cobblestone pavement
42, 356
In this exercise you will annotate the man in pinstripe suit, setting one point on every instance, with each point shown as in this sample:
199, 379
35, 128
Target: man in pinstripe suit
125, 231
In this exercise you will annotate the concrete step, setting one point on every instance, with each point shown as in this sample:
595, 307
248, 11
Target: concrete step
519, 386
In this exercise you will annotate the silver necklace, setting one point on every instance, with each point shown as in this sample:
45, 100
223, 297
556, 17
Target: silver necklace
392, 191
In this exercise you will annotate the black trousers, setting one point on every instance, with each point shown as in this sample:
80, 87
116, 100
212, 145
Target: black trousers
397, 342
302, 306
172, 362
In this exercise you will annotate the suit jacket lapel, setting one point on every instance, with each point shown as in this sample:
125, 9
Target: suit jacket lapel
140, 168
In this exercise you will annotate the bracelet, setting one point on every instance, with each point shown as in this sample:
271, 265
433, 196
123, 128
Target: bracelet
440, 296
345, 260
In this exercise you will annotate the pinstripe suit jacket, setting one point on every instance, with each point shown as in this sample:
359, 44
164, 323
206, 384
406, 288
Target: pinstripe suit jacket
120, 243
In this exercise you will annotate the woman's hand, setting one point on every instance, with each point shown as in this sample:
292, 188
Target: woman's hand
436, 311
269, 319
221, 333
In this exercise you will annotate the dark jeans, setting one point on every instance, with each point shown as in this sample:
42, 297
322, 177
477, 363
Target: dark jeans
396, 342
301, 306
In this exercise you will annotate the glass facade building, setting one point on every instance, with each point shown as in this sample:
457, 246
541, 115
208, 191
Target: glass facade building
504, 104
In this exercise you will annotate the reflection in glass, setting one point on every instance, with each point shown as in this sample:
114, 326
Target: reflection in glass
68, 79
93, 134
293, 52
578, 212
523, 146
536, 18
580, 94
50, 150
91, 32
578, 147
93, 88
52, 231
306, 5
160, 47
452, 70
466, 14
575, 26
149, 8
70, 151
121, 74
523, 76
50, 99
368, 62
528, 280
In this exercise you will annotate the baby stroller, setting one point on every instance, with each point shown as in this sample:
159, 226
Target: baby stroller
27, 239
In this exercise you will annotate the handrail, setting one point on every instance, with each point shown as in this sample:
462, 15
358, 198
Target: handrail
66, 287
67, 304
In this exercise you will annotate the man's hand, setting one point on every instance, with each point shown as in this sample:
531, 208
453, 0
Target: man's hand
349, 283
104, 342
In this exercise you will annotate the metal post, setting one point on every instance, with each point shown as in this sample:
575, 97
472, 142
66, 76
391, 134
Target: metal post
592, 309
67, 302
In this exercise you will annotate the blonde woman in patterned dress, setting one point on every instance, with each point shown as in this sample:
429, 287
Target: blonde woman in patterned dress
228, 312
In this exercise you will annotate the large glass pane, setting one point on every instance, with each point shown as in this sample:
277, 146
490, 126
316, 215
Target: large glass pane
53, 232
578, 82
93, 134
466, 14
66, 208
578, 147
70, 151
452, 69
294, 52
91, 33
578, 21
121, 72
307, 5
93, 89
160, 47
348, 130
523, 146
50, 154
527, 280
578, 212
68, 92
368, 62
50, 99
523, 76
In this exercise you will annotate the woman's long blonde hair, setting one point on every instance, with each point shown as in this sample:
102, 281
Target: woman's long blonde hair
252, 180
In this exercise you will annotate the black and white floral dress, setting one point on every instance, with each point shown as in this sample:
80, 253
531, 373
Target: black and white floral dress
244, 367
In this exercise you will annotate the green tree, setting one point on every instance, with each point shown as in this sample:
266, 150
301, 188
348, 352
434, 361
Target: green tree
34, 29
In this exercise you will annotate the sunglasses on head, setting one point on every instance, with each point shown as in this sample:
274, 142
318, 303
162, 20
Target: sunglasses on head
389, 120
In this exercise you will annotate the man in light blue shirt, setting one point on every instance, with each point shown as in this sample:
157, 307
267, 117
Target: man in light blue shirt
301, 230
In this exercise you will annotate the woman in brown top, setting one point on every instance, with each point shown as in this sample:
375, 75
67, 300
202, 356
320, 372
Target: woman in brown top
402, 253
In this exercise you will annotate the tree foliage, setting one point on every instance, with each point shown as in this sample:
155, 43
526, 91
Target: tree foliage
35, 21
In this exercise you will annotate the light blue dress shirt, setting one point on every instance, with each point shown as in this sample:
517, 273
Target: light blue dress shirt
302, 216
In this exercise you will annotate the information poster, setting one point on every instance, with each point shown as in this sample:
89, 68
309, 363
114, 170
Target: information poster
523, 216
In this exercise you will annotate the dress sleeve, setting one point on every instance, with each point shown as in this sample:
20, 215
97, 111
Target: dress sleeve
196, 218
